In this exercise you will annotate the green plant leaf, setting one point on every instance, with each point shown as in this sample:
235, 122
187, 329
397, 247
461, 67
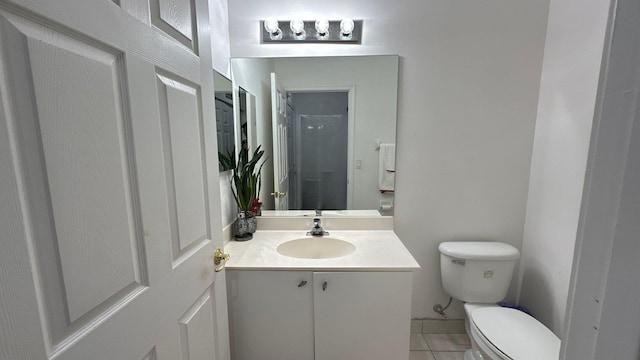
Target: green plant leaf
245, 180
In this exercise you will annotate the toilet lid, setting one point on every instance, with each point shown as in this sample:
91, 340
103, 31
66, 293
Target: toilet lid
516, 334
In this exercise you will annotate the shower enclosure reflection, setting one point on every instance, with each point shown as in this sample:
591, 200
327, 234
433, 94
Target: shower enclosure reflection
317, 150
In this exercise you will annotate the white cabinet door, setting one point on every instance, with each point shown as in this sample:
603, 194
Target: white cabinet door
109, 190
271, 315
362, 315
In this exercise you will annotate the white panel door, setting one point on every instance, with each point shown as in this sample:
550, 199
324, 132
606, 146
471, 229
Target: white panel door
280, 163
109, 201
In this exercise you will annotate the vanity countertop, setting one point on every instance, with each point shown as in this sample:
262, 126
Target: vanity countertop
376, 250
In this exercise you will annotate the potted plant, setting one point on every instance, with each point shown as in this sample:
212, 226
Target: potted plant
245, 186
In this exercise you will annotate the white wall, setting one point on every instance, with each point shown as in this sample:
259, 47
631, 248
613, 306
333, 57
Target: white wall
468, 87
253, 75
219, 17
375, 83
603, 311
568, 88
220, 49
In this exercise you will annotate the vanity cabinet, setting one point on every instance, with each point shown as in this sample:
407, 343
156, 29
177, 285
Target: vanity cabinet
281, 315
362, 315
270, 315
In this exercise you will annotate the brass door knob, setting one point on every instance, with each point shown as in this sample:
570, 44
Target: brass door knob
278, 194
220, 257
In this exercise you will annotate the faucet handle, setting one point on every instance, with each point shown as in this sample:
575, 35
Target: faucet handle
318, 212
316, 222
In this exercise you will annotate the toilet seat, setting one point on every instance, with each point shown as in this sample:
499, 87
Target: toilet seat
512, 334
487, 348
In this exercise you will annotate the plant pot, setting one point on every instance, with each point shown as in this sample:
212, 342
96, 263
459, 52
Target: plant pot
245, 227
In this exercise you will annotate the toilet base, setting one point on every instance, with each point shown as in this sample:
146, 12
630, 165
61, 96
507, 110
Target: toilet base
474, 355
468, 355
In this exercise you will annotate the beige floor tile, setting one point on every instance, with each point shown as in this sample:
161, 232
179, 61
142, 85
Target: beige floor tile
418, 343
420, 355
448, 355
448, 342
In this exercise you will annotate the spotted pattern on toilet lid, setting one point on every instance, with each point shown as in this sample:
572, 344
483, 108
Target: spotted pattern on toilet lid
516, 334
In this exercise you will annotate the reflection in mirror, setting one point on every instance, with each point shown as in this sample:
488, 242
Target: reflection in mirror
317, 150
338, 110
224, 114
243, 117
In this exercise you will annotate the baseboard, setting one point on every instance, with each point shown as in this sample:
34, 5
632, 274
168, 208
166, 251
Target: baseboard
437, 326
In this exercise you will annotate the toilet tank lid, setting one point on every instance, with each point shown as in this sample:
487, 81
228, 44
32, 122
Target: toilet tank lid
479, 250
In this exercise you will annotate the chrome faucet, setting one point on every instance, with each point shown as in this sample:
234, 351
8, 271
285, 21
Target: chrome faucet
317, 230
318, 212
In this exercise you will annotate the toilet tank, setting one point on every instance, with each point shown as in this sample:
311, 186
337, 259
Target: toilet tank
477, 271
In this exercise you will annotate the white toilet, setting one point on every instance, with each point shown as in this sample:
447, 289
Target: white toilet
479, 273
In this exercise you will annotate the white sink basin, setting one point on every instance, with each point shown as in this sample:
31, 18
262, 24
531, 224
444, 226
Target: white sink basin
316, 248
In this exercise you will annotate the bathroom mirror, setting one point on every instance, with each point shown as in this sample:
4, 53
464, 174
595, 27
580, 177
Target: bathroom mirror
242, 116
338, 111
225, 123
245, 117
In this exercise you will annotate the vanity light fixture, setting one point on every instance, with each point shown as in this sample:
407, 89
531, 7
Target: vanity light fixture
272, 27
297, 28
346, 27
321, 30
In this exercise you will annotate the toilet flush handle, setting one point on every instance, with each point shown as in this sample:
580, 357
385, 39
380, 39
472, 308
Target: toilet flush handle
458, 261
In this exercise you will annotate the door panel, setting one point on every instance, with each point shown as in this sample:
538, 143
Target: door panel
86, 164
197, 330
224, 124
183, 150
86, 220
177, 19
109, 193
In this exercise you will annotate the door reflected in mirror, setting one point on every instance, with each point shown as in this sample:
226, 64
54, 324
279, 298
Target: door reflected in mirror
225, 118
243, 117
322, 121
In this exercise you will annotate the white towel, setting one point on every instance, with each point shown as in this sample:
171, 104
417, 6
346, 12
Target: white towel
387, 167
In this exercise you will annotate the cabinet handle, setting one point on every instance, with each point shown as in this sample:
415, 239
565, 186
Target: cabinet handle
302, 283
324, 286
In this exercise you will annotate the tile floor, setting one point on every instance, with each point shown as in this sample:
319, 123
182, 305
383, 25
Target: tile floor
438, 346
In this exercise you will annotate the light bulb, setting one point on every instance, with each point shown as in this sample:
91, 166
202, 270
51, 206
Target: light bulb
297, 27
322, 27
271, 25
346, 26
